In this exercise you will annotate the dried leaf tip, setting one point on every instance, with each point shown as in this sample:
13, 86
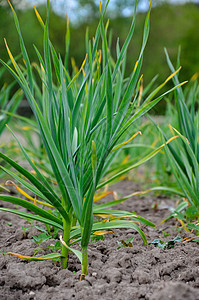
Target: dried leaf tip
100, 6
10, 55
107, 24
10, 4
62, 241
100, 56
9, 182
135, 66
195, 76
39, 17
173, 74
83, 64
67, 20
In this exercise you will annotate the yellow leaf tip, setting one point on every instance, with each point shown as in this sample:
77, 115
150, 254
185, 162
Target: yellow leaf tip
100, 6
67, 20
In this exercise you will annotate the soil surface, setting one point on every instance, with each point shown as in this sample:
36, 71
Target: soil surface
137, 272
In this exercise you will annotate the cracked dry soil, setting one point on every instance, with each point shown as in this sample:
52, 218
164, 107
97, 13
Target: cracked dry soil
138, 272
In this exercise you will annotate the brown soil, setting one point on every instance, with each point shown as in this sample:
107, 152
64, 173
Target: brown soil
138, 272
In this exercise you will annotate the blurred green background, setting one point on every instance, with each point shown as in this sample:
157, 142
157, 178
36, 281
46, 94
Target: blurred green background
172, 25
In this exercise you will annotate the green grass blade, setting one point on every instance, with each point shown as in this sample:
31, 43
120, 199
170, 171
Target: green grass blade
126, 43
23, 49
32, 207
54, 201
31, 217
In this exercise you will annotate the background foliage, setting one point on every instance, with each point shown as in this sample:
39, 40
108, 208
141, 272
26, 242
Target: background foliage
171, 26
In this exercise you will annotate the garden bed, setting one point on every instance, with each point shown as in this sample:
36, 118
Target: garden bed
137, 272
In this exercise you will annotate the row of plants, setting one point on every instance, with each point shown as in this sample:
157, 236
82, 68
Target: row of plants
84, 123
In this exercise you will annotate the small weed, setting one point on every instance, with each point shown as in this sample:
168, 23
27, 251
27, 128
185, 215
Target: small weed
165, 234
55, 247
155, 206
24, 230
97, 238
192, 213
166, 245
127, 243
41, 238
180, 230
193, 228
